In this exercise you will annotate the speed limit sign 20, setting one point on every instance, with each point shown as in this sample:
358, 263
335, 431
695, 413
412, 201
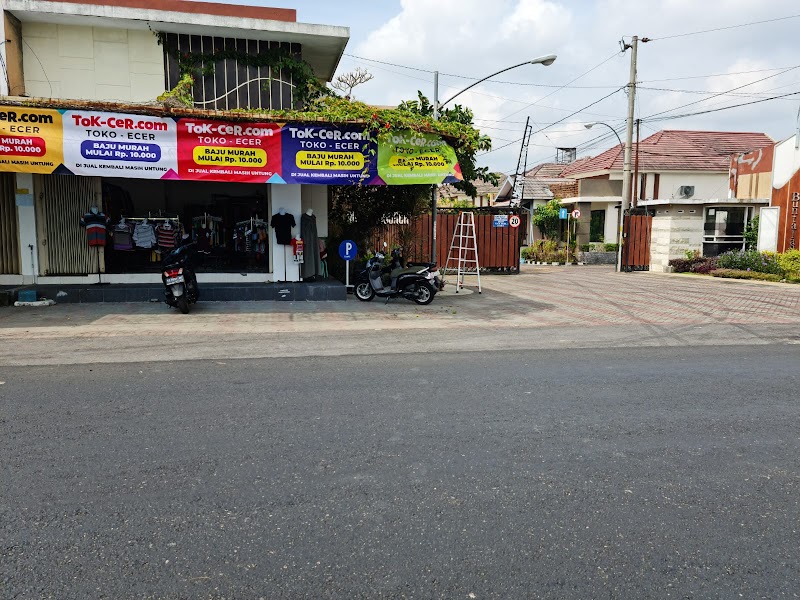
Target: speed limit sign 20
514, 221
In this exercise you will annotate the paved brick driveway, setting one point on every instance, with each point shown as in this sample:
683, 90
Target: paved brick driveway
593, 296
544, 307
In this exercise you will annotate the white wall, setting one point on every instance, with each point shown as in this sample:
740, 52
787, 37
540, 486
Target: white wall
706, 185
787, 162
91, 63
26, 217
673, 234
612, 216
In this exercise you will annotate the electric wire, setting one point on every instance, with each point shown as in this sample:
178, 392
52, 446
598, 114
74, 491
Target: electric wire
722, 93
726, 28
44, 72
616, 54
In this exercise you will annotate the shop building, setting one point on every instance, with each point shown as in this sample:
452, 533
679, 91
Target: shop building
80, 95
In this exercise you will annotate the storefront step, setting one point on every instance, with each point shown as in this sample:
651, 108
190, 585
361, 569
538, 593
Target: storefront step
319, 291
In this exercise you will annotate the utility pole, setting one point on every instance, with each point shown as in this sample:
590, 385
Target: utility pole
626, 169
434, 188
636, 186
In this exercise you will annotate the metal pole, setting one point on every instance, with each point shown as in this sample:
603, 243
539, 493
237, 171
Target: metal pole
636, 184
434, 188
626, 169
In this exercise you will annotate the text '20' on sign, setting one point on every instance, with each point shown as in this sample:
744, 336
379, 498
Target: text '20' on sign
514, 221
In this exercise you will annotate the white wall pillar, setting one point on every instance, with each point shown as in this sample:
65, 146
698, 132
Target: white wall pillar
3, 79
288, 197
26, 215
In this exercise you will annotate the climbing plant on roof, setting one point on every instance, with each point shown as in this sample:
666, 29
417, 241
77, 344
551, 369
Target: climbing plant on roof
307, 87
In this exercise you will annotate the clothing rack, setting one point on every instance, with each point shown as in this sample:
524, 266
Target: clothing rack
206, 218
252, 221
157, 219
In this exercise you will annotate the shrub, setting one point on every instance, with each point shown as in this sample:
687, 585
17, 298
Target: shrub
586, 247
704, 266
693, 263
750, 260
680, 265
610, 247
739, 274
789, 261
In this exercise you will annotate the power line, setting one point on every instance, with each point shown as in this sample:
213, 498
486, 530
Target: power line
555, 122
722, 93
566, 84
715, 75
703, 112
472, 78
678, 35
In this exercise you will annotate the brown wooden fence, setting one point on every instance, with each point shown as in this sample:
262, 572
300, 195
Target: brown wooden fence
636, 249
498, 247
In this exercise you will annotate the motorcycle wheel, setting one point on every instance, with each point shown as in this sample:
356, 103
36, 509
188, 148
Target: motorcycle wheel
183, 304
364, 291
425, 293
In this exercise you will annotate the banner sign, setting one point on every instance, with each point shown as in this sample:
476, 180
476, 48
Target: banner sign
224, 151
114, 145
328, 155
30, 140
105, 144
409, 157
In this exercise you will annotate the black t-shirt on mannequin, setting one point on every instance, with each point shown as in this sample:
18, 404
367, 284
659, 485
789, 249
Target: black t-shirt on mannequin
282, 224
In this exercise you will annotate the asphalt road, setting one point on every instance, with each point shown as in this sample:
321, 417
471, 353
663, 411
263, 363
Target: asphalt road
596, 473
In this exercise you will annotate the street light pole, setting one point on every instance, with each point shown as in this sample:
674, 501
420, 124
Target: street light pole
614, 131
545, 60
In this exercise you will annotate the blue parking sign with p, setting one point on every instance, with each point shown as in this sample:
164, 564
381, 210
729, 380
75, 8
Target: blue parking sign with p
348, 250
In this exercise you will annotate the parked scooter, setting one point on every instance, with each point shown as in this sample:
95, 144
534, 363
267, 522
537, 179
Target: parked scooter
178, 275
414, 283
438, 283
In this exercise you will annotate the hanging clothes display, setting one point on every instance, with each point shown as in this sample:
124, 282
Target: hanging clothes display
168, 235
144, 235
298, 246
123, 236
96, 224
312, 266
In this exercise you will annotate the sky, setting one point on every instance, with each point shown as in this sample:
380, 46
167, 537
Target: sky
466, 40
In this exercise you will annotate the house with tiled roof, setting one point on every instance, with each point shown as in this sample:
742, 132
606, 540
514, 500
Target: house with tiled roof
486, 194
679, 171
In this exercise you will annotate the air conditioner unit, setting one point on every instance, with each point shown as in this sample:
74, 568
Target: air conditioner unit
686, 191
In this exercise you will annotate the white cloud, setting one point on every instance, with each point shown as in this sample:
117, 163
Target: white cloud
476, 37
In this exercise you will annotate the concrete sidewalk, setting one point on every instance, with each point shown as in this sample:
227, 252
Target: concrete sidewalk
543, 307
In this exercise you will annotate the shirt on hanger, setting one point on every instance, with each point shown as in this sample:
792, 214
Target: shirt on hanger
123, 236
144, 236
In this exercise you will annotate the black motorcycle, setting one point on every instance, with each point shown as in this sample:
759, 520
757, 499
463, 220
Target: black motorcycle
178, 275
414, 283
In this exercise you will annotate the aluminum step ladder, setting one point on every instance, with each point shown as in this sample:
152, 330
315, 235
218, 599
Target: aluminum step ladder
463, 256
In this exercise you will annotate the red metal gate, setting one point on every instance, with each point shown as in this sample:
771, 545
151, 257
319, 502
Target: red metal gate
636, 249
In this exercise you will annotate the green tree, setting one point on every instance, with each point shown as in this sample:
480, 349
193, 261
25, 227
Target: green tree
545, 217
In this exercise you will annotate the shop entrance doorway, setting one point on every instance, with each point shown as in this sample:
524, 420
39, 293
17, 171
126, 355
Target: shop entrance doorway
229, 222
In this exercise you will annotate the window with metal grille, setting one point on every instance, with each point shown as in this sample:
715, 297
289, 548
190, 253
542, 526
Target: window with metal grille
232, 85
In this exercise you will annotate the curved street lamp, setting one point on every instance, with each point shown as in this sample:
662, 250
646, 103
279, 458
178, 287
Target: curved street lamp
590, 125
546, 60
